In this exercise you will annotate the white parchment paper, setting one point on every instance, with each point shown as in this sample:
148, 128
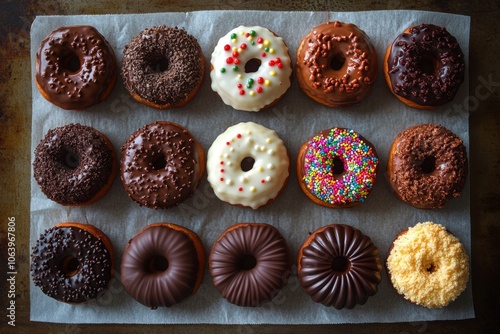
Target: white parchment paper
296, 117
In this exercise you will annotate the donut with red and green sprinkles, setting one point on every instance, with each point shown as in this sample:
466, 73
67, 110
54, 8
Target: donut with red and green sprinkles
337, 168
251, 68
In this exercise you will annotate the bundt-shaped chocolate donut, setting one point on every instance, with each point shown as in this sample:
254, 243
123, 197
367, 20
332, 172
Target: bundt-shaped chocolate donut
339, 266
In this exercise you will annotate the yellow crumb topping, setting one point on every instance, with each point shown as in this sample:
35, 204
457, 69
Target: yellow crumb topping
428, 265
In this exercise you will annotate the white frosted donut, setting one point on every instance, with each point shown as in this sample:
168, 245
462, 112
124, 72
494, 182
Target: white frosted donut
251, 68
247, 165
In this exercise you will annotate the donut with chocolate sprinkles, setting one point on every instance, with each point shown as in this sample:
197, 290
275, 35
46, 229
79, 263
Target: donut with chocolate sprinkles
72, 262
161, 165
163, 67
74, 165
75, 67
427, 166
424, 66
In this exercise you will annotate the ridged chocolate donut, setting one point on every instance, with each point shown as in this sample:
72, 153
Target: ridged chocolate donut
339, 266
162, 265
249, 264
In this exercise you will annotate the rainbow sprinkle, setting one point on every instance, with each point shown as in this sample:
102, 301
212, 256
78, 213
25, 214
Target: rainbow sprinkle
360, 165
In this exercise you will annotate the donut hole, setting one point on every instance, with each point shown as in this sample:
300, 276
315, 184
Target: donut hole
427, 165
159, 64
337, 167
247, 164
428, 64
337, 61
69, 266
71, 159
157, 264
159, 162
247, 262
70, 62
340, 264
252, 65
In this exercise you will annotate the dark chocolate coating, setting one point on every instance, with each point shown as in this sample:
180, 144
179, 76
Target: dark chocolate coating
59, 243
238, 281
74, 66
178, 57
72, 164
160, 165
356, 278
446, 155
429, 46
152, 287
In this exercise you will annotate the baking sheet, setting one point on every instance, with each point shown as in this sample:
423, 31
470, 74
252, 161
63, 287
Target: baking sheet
379, 118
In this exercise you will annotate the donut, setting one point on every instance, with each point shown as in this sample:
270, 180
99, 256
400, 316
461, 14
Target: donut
248, 165
72, 262
249, 264
163, 67
336, 64
162, 265
250, 68
427, 166
161, 165
75, 67
339, 266
424, 66
428, 265
74, 165
337, 168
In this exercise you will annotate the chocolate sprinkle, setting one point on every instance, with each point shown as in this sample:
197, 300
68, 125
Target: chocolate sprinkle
162, 65
72, 164
426, 65
91, 277
443, 180
160, 165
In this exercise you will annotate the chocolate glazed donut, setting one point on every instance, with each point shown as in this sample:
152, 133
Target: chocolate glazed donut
75, 67
249, 264
424, 66
162, 265
339, 266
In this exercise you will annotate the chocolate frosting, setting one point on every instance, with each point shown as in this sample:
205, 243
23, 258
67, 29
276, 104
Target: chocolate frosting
89, 279
72, 164
349, 80
160, 165
432, 46
357, 277
179, 59
243, 284
74, 66
152, 287
445, 179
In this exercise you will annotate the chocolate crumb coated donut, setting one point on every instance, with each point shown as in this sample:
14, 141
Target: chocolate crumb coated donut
161, 165
249, 264
74, 164
72, 262
339, 266
336, 64
75, 67
163, 67
162, 265
424, 66
427, 166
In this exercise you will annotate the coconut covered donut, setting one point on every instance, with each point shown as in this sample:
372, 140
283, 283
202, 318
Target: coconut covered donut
251, 68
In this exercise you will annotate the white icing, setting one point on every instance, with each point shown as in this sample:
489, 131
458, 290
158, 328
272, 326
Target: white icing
269, 82
264, 181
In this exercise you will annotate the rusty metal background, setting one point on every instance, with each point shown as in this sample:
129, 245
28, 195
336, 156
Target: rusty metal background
15, 123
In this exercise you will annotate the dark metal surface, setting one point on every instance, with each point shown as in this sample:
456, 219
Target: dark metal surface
15, 123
